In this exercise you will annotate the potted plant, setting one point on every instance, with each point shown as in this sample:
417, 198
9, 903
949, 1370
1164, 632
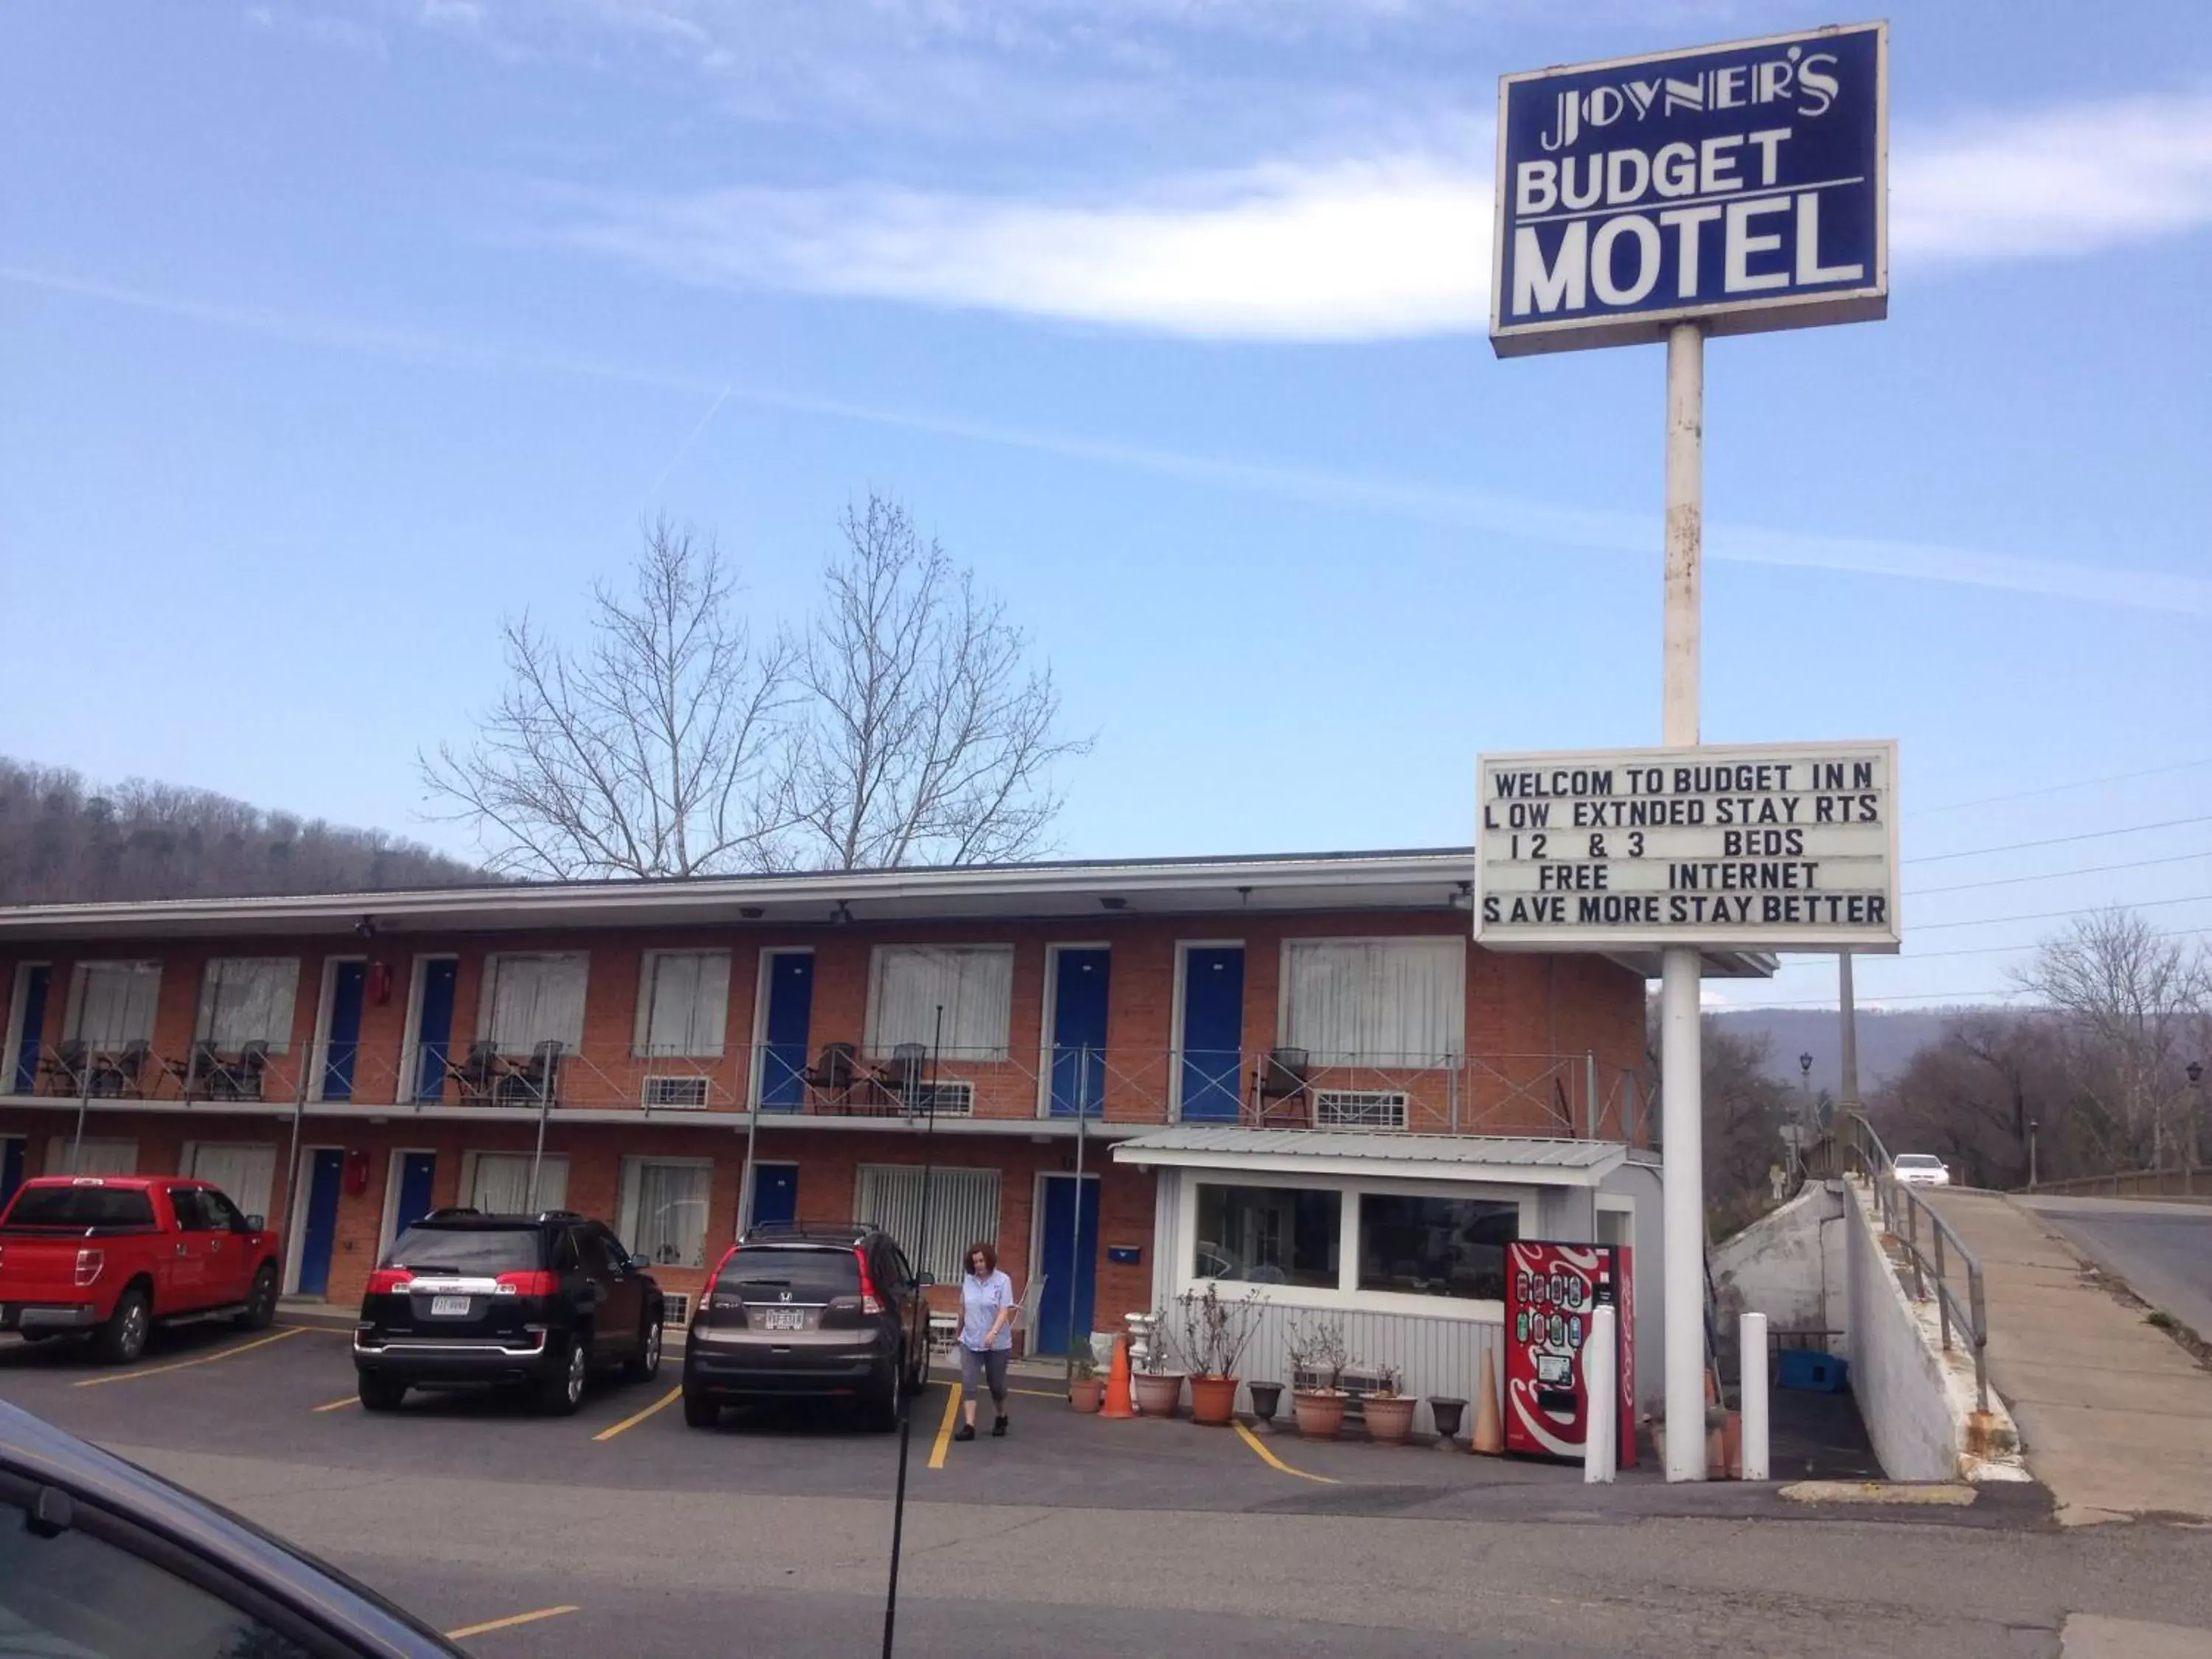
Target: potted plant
1158, 1388
1317, 1357
1389, 1414
1086, 1391
1213, 1334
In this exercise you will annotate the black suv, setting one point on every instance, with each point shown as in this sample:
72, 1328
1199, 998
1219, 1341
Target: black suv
540, 1300
822, 1310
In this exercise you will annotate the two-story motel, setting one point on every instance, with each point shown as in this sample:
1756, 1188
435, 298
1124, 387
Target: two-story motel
1296, 1076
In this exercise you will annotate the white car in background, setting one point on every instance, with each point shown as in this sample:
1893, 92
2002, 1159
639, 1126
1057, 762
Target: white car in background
1920, 1169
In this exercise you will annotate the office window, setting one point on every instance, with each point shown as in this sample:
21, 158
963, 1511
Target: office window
1376, 1002
530, 999
247, 999
963, 1208
1436, 1246
972, 983
683, 1003
112, 1003
664, 1210
1268, 1235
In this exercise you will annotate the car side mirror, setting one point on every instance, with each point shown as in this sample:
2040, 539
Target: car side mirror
257, 1224
637, 1264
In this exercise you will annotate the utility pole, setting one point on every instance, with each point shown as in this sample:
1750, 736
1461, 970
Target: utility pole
1847, 1091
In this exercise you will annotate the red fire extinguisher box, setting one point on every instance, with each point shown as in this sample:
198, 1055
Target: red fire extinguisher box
1551, 1290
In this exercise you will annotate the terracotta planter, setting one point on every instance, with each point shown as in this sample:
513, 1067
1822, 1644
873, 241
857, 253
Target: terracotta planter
1212, 1401
1086, 1394
1158, 1393
1320, 1412
1389, 1417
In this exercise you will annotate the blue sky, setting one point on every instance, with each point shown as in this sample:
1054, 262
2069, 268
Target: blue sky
332, 332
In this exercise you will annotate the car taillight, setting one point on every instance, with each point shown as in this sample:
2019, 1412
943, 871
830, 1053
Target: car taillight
390, 1281
537, 1284
869, 1301
88, 1264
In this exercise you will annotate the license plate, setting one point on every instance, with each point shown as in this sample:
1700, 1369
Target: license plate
449, 1306
785, 1319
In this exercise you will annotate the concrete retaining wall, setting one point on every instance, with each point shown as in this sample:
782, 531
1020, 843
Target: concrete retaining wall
1789, 1265
1898, 1368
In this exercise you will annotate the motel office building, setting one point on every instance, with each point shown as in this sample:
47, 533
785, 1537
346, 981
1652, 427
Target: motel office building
1295, 1076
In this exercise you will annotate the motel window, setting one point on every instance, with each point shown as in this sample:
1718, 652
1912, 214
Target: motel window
1376, 1002
247, 999
530, 999
973, 984
664, 1209
1268, 1235
683, 1003
963, 1208
112, 1003
91, 1157
498, 1183
1436, 1246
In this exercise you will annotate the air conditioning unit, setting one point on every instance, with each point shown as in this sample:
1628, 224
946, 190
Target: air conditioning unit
677, 1310
1359, 1109
948, 1098
676, 1091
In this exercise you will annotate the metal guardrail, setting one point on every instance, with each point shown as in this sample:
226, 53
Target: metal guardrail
2191, 1181
1939, 1261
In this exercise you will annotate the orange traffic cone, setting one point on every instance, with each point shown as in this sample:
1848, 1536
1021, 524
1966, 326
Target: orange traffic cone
1489, 1431
1118, 1403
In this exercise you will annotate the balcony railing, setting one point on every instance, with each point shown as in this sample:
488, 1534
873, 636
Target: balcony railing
1574, 1096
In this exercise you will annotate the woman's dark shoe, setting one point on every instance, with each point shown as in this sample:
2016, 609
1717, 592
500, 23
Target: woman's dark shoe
965, 1431
999, 1429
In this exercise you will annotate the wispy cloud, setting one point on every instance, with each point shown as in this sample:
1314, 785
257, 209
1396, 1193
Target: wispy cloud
320, 29
1495, 514
1354, 249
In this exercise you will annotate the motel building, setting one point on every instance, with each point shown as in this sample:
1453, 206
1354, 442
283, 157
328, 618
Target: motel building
1296, 1076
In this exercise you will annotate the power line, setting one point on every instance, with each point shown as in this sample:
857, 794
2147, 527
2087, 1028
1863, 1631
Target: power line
2059, 788
2057, 875
1870, 997
2058, 841
1968, 950
2058, 915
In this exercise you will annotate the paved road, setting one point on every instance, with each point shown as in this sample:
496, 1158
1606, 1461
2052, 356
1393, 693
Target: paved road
2164, 1251
1074, 1537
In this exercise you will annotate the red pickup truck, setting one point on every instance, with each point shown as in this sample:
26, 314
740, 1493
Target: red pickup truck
107, 1255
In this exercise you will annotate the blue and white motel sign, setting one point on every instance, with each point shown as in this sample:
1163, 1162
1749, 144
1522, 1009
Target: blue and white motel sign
1740, 185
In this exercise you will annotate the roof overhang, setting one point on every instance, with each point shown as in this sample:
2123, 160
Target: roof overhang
1510, 1160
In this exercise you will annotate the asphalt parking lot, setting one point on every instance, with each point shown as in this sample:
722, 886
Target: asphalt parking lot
576, 1535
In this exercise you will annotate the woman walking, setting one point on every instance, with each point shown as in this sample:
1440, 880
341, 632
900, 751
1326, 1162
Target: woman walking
987, 1335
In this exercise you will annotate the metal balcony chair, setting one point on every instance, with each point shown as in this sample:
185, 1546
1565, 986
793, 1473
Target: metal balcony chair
901, 1076
833, 1075
477, 1073
128, 1068
1279, 1084
236, 1080
538, 1083
64, 1070
195, 1072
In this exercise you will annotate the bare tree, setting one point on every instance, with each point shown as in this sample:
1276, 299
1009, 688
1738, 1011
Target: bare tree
929, 737
2139, 999
645, 753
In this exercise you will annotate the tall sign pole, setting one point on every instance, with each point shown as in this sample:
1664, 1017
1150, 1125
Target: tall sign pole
1721, 190
1681, 1081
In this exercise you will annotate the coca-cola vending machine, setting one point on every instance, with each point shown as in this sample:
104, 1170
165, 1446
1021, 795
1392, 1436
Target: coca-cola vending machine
1550, 1292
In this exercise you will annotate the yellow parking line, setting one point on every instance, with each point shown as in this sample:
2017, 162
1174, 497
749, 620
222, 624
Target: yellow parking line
1041, 1394
507, 1623
186, 1364
636, 1418
340, 1405
1275, 1463
945, 1429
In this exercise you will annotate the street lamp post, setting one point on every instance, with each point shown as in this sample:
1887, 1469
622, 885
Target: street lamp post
2195, 1073
2031, 1154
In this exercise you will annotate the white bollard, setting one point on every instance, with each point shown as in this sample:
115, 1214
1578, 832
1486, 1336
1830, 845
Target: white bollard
1751, 1366
1601, 1449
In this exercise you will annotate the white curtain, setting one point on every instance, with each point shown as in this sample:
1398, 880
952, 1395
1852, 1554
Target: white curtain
683, 1004
499, 1184
964, 1210
534, 1000
246, 1174
973, 984
664, 1211
115, 1002
1377, 1002
93, 1158
248, 1000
